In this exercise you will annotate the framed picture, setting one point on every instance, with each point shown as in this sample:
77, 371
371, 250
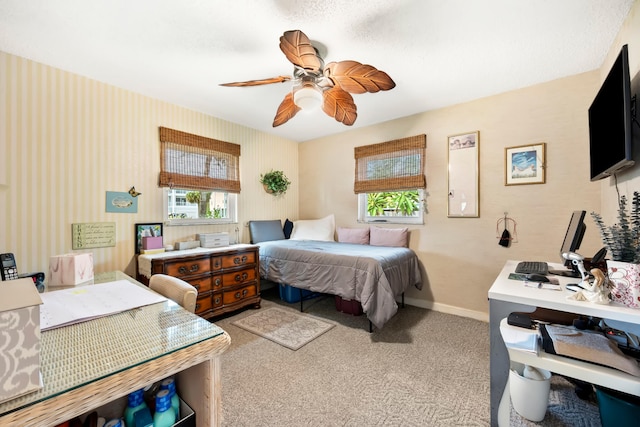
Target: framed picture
525, 164
463, 175
120, 202
146, 230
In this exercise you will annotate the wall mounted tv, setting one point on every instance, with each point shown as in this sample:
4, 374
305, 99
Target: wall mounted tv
611, 122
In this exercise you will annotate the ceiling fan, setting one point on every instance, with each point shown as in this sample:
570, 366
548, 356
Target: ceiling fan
314, 84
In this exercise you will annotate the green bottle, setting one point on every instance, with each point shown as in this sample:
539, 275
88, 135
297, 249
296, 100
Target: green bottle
165, 416
135, 402
170, 384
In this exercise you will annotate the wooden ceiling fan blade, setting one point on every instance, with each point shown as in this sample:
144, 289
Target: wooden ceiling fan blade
339, 104
355, 77
299, 51
286, 110
279, 79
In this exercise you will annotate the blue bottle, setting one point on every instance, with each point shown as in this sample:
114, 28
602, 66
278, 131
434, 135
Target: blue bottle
170, 384
165, 416
135, 402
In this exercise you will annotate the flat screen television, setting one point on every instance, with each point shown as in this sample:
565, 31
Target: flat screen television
610, 122
571, 243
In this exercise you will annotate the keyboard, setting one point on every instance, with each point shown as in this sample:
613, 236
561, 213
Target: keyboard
532, 267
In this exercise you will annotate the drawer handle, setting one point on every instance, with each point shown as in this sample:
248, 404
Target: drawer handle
217, 300
240, 260
241, 277
241, 295
197, 307
216, 263
217, 282
193, 269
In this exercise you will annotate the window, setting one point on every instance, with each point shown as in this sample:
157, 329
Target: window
184, 207
202, 177
392, 206
390, 180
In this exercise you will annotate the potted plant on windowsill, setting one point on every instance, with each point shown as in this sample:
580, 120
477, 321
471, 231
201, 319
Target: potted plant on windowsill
623, 243
275, 182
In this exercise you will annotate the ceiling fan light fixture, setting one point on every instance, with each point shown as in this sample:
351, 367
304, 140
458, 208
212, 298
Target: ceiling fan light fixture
308, 97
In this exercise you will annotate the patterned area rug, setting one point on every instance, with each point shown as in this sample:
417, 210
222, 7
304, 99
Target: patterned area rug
287, 328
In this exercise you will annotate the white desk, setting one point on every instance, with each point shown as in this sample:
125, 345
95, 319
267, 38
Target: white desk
507, 296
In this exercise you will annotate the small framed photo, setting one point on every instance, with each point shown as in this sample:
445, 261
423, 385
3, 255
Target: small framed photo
146, 230
525, 164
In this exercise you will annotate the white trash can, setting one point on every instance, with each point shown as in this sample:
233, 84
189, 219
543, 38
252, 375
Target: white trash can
529, 397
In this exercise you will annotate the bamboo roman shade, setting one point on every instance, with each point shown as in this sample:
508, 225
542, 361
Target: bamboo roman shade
391, 166
199, 163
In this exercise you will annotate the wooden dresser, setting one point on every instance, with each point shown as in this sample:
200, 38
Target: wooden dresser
227, 278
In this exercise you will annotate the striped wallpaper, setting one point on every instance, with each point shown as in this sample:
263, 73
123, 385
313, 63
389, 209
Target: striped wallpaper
65, 140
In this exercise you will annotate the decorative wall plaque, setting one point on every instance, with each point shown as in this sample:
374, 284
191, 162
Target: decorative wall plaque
93, 235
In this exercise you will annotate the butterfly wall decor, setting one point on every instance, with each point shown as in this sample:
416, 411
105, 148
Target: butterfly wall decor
133, 192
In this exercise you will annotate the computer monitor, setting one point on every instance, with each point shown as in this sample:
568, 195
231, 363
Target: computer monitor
571, 242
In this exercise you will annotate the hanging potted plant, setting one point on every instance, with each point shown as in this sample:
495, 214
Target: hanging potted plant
623, 243
275, 182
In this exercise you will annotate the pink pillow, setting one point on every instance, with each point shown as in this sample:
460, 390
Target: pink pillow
398, 237
359, 236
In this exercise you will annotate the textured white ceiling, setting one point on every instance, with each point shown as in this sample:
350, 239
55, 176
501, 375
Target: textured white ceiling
439, 52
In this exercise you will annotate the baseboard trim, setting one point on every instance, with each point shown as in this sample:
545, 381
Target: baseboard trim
449, 309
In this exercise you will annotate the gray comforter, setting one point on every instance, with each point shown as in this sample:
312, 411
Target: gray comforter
373, 275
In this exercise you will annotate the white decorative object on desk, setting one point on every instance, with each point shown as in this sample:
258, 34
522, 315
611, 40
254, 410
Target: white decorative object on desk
597, 292
70, 269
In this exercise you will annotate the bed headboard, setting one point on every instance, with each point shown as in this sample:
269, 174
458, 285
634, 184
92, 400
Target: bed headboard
266, 230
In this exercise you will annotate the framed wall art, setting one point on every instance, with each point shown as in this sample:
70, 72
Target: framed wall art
146, 230
463, 178
525, 164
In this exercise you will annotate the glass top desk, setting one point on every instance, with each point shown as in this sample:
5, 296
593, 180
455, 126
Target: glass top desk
91, 363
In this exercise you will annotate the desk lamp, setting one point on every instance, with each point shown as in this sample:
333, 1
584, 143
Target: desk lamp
576, 259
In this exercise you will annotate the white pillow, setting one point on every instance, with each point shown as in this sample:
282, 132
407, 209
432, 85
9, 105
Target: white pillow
314, 229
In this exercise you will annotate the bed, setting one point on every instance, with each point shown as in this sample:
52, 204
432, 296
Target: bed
374, 275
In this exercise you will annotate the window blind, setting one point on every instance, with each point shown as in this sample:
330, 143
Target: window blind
195, 162
391, 166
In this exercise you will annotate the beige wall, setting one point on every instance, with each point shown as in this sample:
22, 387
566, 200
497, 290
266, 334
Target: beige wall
462, 255
65, 140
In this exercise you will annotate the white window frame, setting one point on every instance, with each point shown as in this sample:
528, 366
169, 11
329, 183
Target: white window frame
363, 215
233, 212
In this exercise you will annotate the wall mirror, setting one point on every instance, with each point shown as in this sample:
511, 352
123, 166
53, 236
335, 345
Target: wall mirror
463, 175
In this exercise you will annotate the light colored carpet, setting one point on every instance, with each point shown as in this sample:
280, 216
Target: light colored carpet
424, 368
285, 327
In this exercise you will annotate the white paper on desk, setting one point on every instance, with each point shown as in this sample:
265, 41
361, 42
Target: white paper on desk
81, 303
520, 338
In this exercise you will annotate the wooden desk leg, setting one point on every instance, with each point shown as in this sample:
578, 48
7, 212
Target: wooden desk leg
200, 387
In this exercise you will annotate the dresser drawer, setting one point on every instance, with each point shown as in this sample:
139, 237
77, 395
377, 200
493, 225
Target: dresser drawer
238, 277
187, 267
233, 296
202, 285
238, 260
203, 304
